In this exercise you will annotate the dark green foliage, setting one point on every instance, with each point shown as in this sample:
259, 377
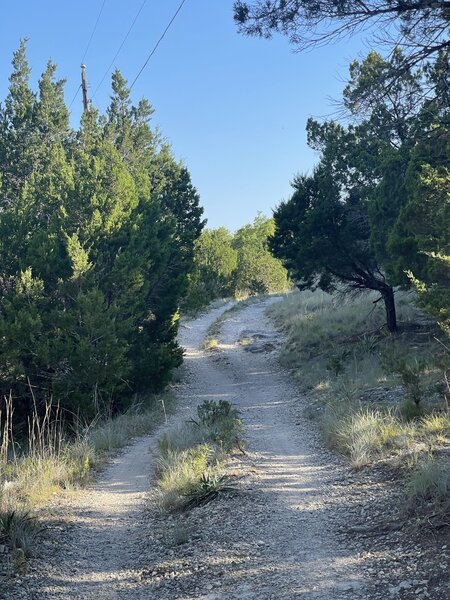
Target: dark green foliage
420, 239
239, 265
222, 421
397, 153
323, 237
375, 212
420, 27
97, 229
210, 412
410, 370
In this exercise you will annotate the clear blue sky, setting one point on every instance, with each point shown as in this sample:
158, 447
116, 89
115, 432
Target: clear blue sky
233, 108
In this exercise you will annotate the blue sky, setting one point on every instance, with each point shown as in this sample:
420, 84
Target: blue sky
233, 108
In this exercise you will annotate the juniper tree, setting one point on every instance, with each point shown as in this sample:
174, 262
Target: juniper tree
97, 229
420, 27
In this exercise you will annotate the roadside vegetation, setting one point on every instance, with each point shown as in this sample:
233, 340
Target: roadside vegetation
97, 231
52, 459
378, 398
191, 467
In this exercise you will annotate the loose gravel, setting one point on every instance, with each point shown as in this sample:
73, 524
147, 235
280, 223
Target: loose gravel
300, 523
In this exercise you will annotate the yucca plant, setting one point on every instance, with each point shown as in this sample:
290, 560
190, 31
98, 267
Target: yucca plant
20, 530
206, 489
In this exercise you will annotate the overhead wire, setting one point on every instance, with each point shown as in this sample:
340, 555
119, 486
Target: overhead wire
93, 30
155, 47
75, 96
120, 48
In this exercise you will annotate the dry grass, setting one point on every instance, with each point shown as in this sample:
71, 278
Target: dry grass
429, 483
179, 472
53, 461
366, 435
377, 397
191, 465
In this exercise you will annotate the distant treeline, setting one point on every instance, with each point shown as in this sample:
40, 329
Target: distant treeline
239, 264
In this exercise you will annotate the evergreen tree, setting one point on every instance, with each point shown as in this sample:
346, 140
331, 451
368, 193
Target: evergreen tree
420, 240
97, 230
419, 27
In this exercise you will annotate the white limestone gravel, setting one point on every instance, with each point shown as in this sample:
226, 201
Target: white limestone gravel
284, 534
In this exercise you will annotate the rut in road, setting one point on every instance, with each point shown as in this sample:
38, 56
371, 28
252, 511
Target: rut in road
276, 539
99, 544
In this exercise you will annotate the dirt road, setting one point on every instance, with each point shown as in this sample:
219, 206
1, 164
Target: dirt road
277, 538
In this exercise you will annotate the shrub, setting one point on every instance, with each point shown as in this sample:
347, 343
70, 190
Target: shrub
222, 422
410, 369
96, 245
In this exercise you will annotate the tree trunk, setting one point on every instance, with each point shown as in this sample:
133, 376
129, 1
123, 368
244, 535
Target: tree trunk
389, 304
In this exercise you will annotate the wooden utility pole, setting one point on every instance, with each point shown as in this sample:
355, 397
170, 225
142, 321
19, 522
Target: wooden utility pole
84, 87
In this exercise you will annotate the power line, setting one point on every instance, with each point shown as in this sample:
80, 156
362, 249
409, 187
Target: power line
75, 96
120, 47
93, 30
155, 47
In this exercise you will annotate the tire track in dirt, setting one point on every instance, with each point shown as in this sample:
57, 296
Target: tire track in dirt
92, 553
298, 499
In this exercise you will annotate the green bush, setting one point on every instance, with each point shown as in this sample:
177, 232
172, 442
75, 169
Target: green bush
411, 371
222, 422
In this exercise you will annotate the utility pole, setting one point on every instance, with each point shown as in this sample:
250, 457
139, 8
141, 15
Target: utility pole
84, 87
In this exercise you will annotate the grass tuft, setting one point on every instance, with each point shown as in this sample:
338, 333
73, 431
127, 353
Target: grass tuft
20, 529
52, 461
430, 483
190, 467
